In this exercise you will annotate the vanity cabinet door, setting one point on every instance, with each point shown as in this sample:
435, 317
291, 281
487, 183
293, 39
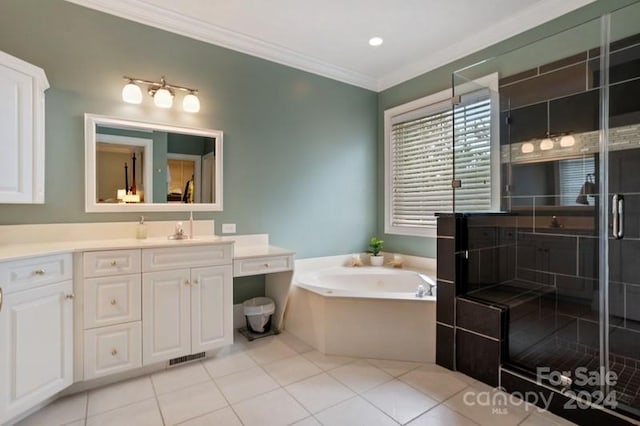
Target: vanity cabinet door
36, 347
211, 308
166, 322
22, 87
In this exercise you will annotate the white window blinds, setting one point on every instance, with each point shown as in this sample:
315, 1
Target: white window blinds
573, 174
472, 127
421, 162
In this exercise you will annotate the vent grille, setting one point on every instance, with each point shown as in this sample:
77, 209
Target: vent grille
186, 358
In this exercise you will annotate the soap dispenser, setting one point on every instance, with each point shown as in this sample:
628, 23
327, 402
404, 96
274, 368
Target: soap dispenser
141, 230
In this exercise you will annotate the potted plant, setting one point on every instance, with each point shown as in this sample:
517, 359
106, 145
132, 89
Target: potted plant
375, 245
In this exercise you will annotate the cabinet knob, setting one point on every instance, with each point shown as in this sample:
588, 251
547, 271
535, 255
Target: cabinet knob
113, 302
114, 263
69, 296
114, 352
39, 272
196, 281
186, 282
266, 265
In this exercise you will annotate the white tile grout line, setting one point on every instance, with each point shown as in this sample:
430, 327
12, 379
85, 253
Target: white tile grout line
155, 395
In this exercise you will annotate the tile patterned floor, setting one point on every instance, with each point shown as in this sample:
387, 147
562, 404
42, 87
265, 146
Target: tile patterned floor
279, 380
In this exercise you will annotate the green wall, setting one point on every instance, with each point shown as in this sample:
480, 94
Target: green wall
516, 60
299, 149
303, 155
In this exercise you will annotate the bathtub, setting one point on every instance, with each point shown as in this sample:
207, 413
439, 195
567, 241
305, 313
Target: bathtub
366, 282
367, 312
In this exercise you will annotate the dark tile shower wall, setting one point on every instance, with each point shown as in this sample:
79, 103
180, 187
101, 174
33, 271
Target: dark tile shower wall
563, 96
470, 335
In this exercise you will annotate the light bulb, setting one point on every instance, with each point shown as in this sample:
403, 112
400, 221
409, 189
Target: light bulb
527, 148
131, 93
163, 98
567, 141
546, 144
191, 103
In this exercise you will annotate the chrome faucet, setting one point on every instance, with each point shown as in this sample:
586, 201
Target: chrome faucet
422, 291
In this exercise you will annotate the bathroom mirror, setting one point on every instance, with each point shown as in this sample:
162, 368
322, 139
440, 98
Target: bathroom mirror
133, 166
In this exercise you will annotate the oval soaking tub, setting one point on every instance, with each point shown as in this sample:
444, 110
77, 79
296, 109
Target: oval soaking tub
368, 312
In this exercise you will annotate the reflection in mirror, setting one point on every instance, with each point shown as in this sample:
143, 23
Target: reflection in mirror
561, 182
135, 166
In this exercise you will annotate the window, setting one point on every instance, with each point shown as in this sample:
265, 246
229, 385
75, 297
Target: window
419, 159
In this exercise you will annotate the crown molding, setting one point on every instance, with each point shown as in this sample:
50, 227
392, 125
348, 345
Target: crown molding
145, 13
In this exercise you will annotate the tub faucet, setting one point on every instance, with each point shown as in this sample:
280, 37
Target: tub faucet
422, 291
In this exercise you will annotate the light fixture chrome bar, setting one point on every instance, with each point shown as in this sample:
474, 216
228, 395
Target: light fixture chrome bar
162, 83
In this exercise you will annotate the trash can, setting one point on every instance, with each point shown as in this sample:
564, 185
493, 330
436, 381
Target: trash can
258, 312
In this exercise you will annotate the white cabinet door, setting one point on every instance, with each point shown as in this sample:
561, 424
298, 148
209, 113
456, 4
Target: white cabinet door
22, 88
166, 331
36, 347
211, 308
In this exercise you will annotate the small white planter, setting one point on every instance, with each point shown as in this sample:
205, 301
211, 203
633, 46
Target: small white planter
376, 260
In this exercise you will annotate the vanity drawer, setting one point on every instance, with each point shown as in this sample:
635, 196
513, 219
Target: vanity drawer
112, 300
262, 265
111, 262
112, 349
24, 274
165, 258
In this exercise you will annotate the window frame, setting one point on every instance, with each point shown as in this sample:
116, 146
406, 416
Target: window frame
432, 104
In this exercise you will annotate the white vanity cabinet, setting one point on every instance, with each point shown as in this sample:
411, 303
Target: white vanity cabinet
22, 87
186, 310
36, 331
112, 312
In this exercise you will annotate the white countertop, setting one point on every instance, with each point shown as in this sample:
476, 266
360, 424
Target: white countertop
18, 251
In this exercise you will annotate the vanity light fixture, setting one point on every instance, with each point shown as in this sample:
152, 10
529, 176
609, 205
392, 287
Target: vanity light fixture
546, 144
567, 141
162, 93
527, 148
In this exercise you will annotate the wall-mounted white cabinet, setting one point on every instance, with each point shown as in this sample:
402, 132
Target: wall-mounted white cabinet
22, 87
36, 332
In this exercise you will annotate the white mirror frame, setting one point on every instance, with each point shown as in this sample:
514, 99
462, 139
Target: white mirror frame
91, 206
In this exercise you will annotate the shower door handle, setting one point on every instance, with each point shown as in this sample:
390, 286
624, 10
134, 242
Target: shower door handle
618, 216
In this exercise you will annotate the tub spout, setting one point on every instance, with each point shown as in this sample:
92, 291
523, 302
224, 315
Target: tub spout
429, 283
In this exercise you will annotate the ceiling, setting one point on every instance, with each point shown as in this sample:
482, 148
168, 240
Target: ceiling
330, 38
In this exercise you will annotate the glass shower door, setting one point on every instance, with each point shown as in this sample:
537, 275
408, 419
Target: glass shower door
623, 233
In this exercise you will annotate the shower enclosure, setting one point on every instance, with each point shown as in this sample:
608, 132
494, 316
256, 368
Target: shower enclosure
548, 137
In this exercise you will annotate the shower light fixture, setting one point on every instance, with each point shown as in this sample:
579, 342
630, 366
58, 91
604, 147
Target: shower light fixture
162, 93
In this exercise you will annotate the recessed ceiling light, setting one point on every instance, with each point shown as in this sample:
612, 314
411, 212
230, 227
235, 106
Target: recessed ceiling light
375, 41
